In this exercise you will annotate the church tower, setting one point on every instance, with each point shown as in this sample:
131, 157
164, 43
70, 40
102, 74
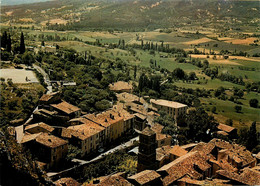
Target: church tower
147, 150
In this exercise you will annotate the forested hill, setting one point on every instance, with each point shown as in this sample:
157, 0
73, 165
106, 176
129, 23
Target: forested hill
151, 14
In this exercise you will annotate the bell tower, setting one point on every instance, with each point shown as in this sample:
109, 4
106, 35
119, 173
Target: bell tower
147, 150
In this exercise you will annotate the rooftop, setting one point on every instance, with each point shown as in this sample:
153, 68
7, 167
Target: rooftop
66, 182
162, 152
167, 103
105, 118
45, 139
120, 85
184, 165
178, 151
145, 176
225, 128
114, 179
127, 97
40, 125
85, 130
248, 177
148, 131
66, 107
47, 97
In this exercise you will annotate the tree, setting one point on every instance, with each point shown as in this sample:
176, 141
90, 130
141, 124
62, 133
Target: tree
4, 40
200, 125
43, 44
178, 73
238, 108
9, 44
253, 103
229, 122
22, 45
28, 58
240, 93
252, 137
135, 70
213, 110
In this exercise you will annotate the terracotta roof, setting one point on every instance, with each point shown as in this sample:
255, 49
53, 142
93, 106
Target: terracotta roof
67, 182
45, 139
178, 151
29, 137
105, 118
160, 136
184, 165
123, 112
141, 116
115, 180
85, 130
157, 128
145, 177
248, 177
163, 152
40, 125
236, 152
190, 145
190, 181
65, 107
120, 85
47, 97
222, 133
148, 131
223, 164
167, 103
127, 97
225, 128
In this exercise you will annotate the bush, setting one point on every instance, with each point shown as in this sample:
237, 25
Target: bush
238, 108
253, 103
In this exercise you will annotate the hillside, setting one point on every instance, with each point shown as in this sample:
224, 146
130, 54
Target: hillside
134, 14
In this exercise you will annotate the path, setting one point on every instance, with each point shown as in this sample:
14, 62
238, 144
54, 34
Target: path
45, 76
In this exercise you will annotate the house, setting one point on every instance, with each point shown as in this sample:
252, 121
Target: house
64, 108
140, 121
66, 182
88, 137
236, 155
130, 98
145, 178
39, 127
193, 164
177, 152
172, 108
128, 118
161, 139
51, 98
121, 86
46, 148
117, 179
112, 121
247, 177
188, 181
163, 155
226, 130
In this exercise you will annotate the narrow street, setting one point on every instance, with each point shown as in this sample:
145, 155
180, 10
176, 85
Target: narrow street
122, 146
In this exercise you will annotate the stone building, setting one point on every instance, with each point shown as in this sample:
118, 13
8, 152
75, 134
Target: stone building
147, 150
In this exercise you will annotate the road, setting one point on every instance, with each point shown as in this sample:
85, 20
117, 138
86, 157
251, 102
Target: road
122, 146
45, 76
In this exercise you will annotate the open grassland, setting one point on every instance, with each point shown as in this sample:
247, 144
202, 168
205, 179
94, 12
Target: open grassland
225, 109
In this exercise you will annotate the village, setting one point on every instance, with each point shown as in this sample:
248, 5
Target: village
131, 123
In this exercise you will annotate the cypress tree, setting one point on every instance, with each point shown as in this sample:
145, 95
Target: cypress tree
22, 45
4, 40
252, 137
9, 44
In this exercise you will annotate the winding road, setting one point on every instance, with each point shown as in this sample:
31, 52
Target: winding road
45, 76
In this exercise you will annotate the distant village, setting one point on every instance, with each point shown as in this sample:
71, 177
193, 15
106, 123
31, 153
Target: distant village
55, 124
